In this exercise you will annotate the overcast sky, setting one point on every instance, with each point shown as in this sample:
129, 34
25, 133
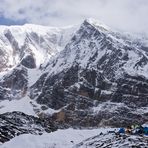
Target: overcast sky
127, 15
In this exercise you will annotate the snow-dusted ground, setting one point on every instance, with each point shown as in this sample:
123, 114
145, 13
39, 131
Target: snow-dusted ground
59, 139
22, 105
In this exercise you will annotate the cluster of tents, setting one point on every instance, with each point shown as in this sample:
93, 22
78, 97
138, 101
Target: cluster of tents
134, 130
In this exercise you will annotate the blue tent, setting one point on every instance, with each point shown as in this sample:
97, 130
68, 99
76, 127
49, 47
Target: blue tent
121, 130
145, 129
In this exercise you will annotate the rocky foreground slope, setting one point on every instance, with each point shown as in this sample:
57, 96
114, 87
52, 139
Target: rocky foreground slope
114, 141
16, 123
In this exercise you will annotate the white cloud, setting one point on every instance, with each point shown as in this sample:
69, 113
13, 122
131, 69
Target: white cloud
128, 15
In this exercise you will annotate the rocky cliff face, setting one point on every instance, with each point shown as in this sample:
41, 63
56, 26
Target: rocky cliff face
99, 78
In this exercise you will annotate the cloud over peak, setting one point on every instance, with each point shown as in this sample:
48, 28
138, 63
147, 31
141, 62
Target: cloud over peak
127, 15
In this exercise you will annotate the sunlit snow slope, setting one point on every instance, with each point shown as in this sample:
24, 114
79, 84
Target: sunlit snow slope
39, 42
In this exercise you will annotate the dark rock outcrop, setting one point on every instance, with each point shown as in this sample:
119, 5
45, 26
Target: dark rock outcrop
14, 84
29, 62
17, 123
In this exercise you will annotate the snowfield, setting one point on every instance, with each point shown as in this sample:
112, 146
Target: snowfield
59, 139
22, 105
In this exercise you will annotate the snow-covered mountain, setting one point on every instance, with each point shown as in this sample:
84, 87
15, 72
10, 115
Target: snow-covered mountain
100, 76
86, 76
31, 42
23, 50
94, 40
